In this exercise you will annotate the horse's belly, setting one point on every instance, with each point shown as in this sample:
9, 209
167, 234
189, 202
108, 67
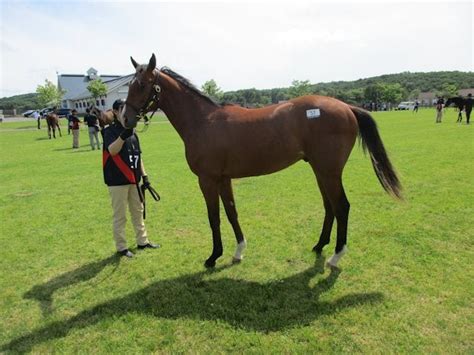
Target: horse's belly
260, 162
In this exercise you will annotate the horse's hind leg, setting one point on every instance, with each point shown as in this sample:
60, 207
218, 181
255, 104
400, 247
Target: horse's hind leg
227, 197
210, 190
334, 196
59, 130
49, 131
325, 236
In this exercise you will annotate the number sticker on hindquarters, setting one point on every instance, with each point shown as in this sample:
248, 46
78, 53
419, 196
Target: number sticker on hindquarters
313, 113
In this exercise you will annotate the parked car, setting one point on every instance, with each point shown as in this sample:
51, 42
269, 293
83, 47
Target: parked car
44, 111
28, 113
63, 112
406, 105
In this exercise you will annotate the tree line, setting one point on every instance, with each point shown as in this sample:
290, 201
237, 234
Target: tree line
390, 88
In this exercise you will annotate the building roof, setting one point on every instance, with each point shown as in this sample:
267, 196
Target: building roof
464, 92
74, 84
111, 86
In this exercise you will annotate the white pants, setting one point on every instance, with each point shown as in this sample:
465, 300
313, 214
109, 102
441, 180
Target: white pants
122, 196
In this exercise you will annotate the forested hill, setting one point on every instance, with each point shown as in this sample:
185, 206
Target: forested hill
385, 88
20, 102
424, 82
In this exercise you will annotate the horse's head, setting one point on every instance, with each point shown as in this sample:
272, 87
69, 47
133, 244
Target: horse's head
143, 93
105, 118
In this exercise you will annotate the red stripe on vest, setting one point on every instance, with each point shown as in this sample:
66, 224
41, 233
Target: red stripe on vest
105, 156
124, 168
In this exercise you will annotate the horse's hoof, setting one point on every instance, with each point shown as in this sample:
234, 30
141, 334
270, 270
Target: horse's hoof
209, 263
317, 250
236, 260
332, 266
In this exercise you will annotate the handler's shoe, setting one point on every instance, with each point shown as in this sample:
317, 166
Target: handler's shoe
126, 253
149, 245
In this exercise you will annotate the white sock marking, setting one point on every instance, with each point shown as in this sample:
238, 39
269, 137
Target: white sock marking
239, 250
335, 258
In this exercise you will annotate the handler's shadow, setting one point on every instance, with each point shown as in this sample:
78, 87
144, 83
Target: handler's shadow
262, 307
44, 293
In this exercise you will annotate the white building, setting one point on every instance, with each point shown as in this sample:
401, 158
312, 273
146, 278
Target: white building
77, 96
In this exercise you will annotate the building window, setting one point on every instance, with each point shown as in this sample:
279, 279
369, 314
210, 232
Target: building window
97, 102
102, 102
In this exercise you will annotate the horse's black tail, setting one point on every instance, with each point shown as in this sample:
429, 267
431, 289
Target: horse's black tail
371, 141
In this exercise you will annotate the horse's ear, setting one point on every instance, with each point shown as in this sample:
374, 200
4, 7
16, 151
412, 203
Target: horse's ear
152, 63
135, 64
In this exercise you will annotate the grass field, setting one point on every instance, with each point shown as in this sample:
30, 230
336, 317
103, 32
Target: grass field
406, 284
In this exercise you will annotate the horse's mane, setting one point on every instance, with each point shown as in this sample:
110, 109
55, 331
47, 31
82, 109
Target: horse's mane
186, 83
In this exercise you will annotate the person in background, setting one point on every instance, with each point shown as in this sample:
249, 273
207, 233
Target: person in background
468, 107
93, 127
439, 109
37, 117
415, 109
123, 169
69, 122
74, 120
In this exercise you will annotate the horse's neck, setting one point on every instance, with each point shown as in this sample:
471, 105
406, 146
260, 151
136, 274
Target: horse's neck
185, 110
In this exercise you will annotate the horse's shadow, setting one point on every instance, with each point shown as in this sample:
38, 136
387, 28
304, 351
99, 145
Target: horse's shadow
262, 307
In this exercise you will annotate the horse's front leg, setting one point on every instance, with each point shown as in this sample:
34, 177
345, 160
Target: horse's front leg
49, 132
210, 190
59, 130
227, 197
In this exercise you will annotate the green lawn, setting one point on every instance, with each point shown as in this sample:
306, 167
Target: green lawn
405, 285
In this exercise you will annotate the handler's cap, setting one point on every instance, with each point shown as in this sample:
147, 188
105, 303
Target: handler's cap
117, 103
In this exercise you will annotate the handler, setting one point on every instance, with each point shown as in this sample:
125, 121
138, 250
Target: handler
123, 170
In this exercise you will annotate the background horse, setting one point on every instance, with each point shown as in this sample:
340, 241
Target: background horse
105, 117
226, 142
53, 121
459, 102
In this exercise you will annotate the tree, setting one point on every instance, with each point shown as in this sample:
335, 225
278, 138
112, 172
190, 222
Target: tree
97, 89
300, 88
392, 93
49, 94
373, 92
211, 89
414, 94
449, 90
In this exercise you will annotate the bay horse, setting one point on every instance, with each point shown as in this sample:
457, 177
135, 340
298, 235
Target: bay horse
105, 117
226, 142
459, 102
52, 120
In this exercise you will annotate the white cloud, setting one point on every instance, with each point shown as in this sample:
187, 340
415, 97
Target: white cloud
240, 45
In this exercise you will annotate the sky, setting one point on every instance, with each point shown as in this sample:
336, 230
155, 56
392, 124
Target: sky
239, 44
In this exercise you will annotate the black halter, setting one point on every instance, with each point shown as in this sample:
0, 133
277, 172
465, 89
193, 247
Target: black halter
153, 98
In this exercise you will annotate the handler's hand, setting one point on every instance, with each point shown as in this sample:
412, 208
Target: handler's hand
126, 133
146, 182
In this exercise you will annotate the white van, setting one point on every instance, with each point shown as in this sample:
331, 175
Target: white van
406, 105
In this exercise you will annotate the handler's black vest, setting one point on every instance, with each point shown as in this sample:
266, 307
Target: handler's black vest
125, 167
